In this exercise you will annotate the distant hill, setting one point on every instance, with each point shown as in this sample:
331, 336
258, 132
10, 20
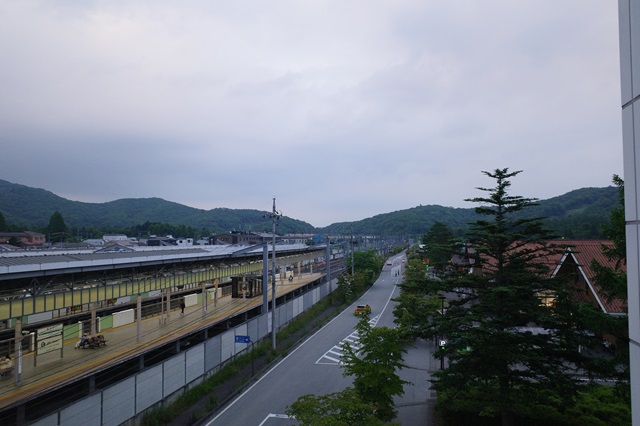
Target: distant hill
31, 208
577, 214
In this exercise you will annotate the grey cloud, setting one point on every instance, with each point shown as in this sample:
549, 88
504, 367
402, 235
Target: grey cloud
340, 110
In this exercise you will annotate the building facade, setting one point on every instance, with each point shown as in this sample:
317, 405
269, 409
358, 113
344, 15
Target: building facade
629, 28
25, 238
244, 238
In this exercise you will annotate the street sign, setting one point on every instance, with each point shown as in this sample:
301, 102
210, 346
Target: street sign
443, 343
243, 339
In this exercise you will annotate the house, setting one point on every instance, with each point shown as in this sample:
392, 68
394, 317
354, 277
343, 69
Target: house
114, 238
26, 239
184, 242
576, 263
71, 246
573, 262
308, 239
117, 247
161, 241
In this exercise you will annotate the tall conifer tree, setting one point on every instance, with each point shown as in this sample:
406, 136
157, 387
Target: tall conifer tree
492, 359
57, 228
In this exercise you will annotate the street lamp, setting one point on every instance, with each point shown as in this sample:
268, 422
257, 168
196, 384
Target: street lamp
442, 298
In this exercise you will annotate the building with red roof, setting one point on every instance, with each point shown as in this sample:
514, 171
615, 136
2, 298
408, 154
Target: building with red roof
576, 264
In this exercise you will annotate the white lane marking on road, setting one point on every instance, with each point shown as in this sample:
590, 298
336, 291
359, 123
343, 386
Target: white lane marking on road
232, 403
333, 360
276, 416
352, 340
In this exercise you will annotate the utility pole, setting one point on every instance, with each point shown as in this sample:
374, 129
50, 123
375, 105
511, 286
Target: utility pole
274, 216
353, 274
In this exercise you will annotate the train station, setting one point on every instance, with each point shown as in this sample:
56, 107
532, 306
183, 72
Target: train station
98, 337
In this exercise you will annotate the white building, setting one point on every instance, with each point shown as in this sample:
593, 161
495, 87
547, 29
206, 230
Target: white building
629, 23
184, 242
114, 237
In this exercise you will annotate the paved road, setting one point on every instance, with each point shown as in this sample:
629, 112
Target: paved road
313, 367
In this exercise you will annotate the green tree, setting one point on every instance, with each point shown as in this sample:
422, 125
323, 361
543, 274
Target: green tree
612, 280
367, 263
417, 303
346, 290
438, 242
3, 223
344, 408
487, 348
374, 366
366, 267
57, 227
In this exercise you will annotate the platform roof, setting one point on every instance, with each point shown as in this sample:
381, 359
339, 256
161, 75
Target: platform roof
46, 262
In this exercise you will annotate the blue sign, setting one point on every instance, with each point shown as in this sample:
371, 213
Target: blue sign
243, 339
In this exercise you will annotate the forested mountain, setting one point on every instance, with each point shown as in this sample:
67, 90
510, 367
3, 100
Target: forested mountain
578, 214
30, 208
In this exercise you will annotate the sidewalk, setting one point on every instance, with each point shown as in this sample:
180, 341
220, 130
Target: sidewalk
416, 405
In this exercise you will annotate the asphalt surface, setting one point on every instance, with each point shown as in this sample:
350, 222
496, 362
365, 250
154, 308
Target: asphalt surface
313, 368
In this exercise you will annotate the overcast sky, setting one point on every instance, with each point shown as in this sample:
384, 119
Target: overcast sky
340, 109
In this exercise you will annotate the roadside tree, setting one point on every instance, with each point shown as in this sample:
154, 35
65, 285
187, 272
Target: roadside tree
417, 303
374, 366
438, 242
344, 408
346, 290
368, 264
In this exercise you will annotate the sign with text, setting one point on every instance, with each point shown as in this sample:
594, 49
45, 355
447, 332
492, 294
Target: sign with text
49, 339
243, 339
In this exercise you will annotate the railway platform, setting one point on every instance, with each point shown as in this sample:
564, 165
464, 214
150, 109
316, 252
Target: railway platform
34, 377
